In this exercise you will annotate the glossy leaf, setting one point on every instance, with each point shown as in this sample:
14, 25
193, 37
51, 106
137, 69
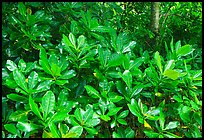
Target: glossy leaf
151, 134
78, 115
105, 117
115, 60
43, 86
113, 97
114, 111
18, 115
11, 128
54, 130
122, 121
16, 97
48, 103
44, 62
20, 79
91, 130
26, 127
55, 70
172, 125
92, 122
34, 107
92, 92
32, 80
72, 39
77, 130
68, 74
123, 114
22, 64
88, 114
127, 78
47, 134
184, 50
129, 133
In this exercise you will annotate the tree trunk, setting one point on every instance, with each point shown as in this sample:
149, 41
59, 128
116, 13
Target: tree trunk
155, 24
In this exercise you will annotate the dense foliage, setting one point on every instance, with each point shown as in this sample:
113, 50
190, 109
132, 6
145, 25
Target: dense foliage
90, 69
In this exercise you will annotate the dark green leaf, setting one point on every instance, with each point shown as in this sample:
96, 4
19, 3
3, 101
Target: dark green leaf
127, 78
16, 97
129, 133
22, 8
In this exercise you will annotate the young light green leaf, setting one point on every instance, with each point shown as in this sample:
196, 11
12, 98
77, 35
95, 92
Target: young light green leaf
92, 92
48, 103
44, 62
20, 79
32, 80
158, 60
171, 74
34, 107
184, 50
55, 70
81, 41
47, 134
72, 39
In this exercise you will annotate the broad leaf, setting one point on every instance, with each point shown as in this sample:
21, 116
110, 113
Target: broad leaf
27, 127
184, 50
77, 130
20, 79
48, 103
92, 92
171, 74
78, 115
54, 130
127, 78
67, 74
11, 128
123, 114
34, 107
172, 125
44, 62
32, 80
19, 115
16, 97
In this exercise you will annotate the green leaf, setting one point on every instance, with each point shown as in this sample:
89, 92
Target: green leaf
77, 130
197, 74
158, 61
92, 92
20, 79
66, 43
113, 97
177, 98
171, 74
129, 47
22, 64
184, 50
91, 130
44, 62
113, 74
22, 8
122, 121
63, 63
136, 63
170, 65
115, 60
114, 111
11, 128
18, 115
197, 116
54, 130
32, 80
48, 103
55, 70
81, 41
47, 135
72, 39
105, 117
102, 29
43, 86
34, 107
123, 114
88, 114
129, 133
134, 108
92, 122
116, 135
27, 127
171, 135
172, 125
11, 83
151, 134
184, 112
67, 74
161, 119
127, 78
78, 115
16, 97
53, 59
